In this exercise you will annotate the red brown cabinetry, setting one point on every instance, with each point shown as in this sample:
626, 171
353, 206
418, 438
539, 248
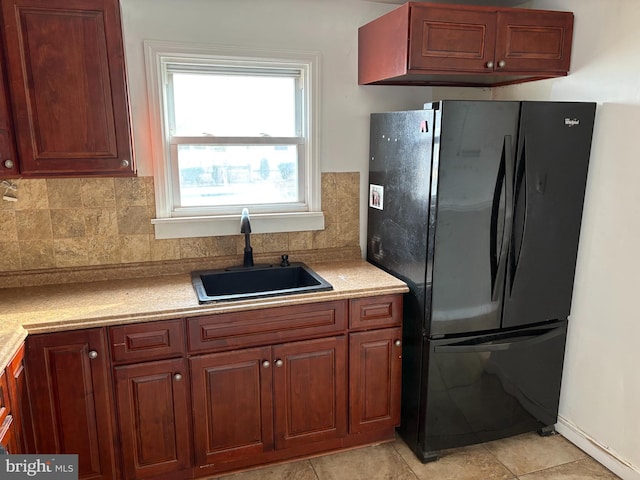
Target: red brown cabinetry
8, 159
70, 390
256, 400
464, 45
19, 401
375, 363
152, 399
65, 72
221, 392
154, 418
8, 439
281, 391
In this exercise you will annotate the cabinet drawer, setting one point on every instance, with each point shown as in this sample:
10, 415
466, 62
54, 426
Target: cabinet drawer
4, 397
147, 341
260, 327
375, 312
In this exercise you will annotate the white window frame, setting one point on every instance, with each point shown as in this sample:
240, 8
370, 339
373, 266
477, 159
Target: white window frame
178, 223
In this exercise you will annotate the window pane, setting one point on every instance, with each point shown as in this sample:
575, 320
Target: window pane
234, 105
237, 175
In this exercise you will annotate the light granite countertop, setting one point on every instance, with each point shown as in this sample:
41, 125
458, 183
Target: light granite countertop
50, 308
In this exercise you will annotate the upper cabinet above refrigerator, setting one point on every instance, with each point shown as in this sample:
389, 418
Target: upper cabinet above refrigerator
463, 45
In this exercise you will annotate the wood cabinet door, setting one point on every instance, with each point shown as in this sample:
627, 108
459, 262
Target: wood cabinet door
375, 370
232, 405
65, 66
451, 39
8, 158
8, 439
19, 400
310, 391
154, 418
4, 397
534, 41
70, 390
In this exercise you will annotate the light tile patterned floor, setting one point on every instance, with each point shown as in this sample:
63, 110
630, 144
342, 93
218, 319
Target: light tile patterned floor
525, 457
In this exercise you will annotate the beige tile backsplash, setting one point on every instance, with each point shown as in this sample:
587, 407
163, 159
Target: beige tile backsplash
78, 222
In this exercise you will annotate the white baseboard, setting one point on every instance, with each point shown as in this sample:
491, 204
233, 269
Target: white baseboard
594, 449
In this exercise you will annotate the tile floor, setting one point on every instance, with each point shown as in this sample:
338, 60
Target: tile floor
525, 457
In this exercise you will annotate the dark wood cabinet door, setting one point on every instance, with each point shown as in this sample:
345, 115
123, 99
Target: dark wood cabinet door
8, 158
70, 390
375, 369
8, 439
537, 41
451, 39
310, 391
65, 65
19, 400
4, 397
154, 418
232, 405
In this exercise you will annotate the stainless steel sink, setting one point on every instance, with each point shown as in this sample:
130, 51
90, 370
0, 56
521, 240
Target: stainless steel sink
256, 282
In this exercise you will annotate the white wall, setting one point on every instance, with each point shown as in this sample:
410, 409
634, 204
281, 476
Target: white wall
600, 401
326, 26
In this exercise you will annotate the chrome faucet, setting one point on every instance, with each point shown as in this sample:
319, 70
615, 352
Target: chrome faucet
245, 227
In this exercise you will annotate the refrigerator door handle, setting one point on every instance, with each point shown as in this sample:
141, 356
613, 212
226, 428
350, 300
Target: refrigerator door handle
521, 186
501, 346
505, 176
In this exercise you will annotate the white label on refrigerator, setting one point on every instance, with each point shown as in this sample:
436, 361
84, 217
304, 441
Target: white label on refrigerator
376, 196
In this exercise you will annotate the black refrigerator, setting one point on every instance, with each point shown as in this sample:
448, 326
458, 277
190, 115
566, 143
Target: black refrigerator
477, 206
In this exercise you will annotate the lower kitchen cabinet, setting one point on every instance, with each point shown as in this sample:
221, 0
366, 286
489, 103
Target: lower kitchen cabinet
8, 438
154, 417
70, 390
7, 425
233, 403
19, 401
310, 391
186, 398
255, 400
375, 366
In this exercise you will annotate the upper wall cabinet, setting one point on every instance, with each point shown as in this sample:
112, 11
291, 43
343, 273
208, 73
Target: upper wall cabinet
65, 73
460, 45
8, 159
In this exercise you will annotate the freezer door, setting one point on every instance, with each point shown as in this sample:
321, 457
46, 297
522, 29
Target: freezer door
550, 177
475, 158
491, 386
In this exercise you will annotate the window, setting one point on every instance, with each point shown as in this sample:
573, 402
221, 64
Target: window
233, 129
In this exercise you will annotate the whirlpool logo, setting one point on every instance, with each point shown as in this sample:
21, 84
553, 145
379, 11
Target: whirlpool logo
60, 467
571, 122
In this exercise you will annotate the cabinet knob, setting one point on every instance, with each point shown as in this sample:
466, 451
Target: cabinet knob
177, 377
124, 163
490, 64
266, 364
279, 363
93, 354
501, 63
397, 343
8, 163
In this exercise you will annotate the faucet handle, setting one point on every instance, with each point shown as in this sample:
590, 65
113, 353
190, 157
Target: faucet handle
285, 261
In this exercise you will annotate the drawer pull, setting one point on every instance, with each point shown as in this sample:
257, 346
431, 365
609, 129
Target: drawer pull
93, 354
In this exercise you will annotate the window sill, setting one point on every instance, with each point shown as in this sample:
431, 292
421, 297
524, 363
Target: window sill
186, 227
